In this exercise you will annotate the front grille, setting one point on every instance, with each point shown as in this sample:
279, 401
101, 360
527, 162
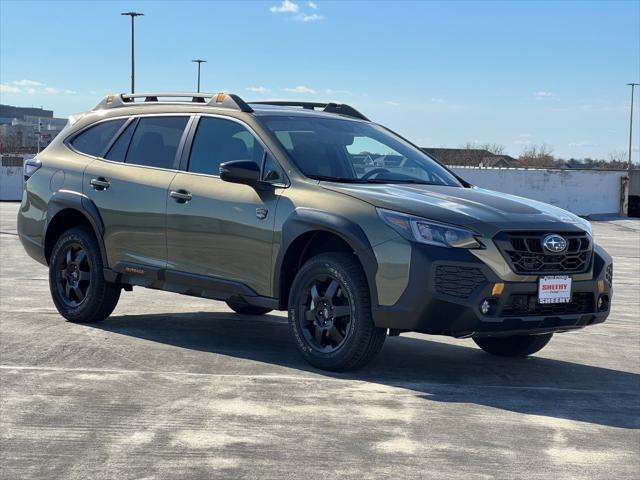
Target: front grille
525, 254
525, 305
458, 281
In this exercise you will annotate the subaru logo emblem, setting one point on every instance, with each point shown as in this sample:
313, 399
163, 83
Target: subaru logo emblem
554, 243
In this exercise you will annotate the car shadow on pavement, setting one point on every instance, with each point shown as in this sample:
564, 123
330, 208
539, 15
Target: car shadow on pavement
441, 371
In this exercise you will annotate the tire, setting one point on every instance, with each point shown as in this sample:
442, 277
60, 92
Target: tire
516, 346
332, 326
83, 296
244, 308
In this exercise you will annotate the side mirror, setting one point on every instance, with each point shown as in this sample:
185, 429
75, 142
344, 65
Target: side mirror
240, 171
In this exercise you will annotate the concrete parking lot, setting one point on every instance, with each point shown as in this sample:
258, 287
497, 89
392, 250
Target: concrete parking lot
179, 387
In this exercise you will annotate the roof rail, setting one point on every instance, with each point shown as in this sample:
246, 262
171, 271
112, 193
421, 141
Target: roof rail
224, 100
330, 107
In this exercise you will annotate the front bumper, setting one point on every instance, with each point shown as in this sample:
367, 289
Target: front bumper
447, 287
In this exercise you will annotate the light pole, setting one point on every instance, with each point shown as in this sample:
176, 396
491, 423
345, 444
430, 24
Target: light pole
198, 61
133, 15
633, 85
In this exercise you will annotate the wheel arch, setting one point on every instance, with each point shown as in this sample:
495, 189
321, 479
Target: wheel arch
308, 232
68, 209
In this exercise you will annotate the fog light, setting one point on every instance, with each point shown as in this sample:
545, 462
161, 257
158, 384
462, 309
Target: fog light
603, 303
485, 307
488, 306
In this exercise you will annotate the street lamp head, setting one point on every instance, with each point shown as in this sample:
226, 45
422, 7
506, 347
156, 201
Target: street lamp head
199, 61
133, 14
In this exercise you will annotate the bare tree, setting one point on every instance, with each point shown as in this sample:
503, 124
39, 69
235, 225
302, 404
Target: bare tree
618, 156
494, 148
537, 156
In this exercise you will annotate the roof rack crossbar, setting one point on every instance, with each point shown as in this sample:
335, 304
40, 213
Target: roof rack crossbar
329, 107
224, 100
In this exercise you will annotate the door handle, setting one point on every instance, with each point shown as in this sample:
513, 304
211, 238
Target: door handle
100, 183
180, 196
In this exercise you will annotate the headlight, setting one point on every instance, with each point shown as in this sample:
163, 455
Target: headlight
421, 230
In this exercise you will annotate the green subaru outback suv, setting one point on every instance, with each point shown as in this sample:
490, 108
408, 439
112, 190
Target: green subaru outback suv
304, 207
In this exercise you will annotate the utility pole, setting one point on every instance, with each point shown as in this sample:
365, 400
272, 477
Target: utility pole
39, 132
133, 15
632, 85
198, 61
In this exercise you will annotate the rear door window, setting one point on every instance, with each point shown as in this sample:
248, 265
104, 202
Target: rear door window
155, 141
94, 140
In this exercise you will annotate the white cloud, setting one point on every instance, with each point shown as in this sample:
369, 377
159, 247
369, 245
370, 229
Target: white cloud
258, 89
314, 17
300, 89
437, 100
544, 95
32, 87
28, 83
286, 6
393, 104
5, 88
330, 91
525, 135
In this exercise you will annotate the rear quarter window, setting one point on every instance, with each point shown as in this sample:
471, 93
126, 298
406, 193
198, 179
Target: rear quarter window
94, 140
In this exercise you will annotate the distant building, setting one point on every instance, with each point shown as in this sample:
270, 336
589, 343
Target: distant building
470, 157
21, 127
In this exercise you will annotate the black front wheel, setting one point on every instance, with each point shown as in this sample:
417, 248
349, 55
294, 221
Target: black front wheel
516, 346
76, 278
330, 313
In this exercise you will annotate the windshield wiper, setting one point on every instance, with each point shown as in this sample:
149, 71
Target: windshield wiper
334, 179
380, 180
370, 180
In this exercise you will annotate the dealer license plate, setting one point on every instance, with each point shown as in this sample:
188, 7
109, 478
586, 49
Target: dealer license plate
554, 289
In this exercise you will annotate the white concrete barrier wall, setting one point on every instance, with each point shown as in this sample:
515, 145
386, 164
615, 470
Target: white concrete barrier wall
10, 183
583, 192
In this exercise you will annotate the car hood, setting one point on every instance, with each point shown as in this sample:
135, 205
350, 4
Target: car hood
483, 210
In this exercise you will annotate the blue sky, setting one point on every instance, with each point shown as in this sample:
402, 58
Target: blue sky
441, 73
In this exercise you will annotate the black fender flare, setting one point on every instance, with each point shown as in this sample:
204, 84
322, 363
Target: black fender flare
68, 199
303, 220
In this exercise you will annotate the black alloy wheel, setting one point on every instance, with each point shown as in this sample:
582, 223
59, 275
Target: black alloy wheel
327, 314
73, 275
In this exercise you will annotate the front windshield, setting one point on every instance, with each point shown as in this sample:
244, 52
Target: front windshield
357, 152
